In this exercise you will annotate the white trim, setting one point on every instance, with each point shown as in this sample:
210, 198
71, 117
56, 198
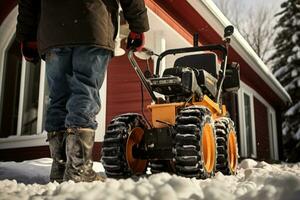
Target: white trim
210, 12
243, 137
21, 97
41, 100
273, 134
243, 141
23, 141
254, 142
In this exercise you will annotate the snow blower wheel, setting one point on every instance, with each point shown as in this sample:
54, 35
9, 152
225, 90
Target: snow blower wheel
227, 149
121, 136
208, 146
137, 166
195, 143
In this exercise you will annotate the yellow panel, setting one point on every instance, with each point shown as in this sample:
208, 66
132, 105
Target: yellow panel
165, 113
207, 102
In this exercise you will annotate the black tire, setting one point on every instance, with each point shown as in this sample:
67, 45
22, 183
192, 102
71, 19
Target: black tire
189, 125
157, 166
223, 127
114, 144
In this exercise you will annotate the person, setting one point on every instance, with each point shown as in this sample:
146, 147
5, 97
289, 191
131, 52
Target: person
76, 39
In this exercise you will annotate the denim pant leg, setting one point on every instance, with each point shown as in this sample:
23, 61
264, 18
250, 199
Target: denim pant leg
89, 66
58, 71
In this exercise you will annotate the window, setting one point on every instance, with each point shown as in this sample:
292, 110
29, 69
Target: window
247, 125
11, 73
30, 97
23, 87
273, 134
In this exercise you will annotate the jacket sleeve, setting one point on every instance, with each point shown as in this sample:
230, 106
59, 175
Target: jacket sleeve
28, 19
135, 14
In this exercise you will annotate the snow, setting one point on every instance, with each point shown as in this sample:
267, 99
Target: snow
295, 37
281, 71
254, 180
297, 135
293, 110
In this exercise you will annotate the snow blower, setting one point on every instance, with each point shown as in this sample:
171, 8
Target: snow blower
190, 132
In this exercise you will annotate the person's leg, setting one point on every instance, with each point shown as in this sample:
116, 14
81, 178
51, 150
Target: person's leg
58, 69
89, 66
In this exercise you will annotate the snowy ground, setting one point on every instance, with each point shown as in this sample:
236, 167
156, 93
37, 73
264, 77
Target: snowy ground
255, 180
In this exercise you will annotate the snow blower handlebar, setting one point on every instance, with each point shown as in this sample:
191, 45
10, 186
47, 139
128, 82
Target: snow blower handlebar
223, 48
217, 47
228, 31
139, 72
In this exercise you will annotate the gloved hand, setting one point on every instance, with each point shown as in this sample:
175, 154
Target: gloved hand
30, 51
136, 40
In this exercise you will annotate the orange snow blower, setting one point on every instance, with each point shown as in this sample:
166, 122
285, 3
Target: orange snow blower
190, 133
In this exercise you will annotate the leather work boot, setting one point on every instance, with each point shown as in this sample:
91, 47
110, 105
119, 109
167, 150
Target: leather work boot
57, 146
79, 147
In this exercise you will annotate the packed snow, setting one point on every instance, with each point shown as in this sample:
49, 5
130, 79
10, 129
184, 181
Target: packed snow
254, 180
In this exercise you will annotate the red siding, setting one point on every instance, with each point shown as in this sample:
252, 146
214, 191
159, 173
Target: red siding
262, 130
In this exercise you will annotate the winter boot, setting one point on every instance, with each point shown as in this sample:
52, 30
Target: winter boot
79, 147
57, 146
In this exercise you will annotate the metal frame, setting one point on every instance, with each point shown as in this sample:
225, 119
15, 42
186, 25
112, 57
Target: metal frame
216, 47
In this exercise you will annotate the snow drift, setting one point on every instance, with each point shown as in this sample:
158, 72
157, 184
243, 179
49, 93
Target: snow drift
255, 180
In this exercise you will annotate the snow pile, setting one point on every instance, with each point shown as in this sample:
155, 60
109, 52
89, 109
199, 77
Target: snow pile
255, 180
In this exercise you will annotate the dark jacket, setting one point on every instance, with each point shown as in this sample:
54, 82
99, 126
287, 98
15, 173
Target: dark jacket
57, 23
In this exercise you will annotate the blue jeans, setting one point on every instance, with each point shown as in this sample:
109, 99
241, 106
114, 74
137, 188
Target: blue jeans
75, 76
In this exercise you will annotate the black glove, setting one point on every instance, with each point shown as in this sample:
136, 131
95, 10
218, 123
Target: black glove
30, 51
136, 41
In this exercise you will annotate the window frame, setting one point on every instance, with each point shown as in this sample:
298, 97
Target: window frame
42, 76
272, 124
242, 122
7, 34
273, 133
